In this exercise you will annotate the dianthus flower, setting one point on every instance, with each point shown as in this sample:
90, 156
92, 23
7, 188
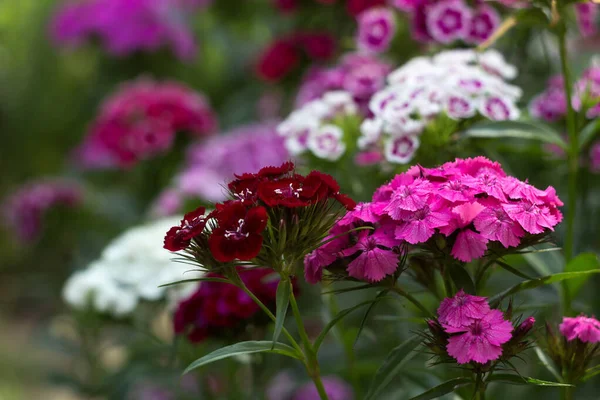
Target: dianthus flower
587, 18
275, 198
215, 307
140, 121
584, 328
23, 210
376, 29
126, 26
461, 310
213, 162
459, 84
469, 204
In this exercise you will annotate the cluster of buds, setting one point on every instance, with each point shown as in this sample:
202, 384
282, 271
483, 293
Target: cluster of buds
273, 218
577, 346
467, 331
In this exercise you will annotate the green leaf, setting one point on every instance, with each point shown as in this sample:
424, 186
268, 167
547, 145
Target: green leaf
221, 280
515, 129
582, 263
250, 347
364, 319
532, 16
337, 318
392, 366
588, 133
461, 278
545, 261
282, 302
534, 283
548, 363
349, 289
443, 388
513, 379
513, 270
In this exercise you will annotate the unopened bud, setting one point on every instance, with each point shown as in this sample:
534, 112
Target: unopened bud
523, 329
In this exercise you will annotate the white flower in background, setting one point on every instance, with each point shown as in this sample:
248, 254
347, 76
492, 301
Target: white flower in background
311, 127
130, 269
458, 83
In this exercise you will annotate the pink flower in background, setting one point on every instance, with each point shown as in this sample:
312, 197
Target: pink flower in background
583, 328
140, 121
376, 29
448, 21
460, 310
482, 340
212, 163
24, 209
595, 157
587, 18
126, 26
484, 22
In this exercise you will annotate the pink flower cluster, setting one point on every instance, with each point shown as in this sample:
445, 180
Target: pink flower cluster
583, 328
477, 332
216, 307
141, 120
358, 74
470, 203
448, 21
587, 18
212, 163
24, 209
551, 105
127, 26
376, 29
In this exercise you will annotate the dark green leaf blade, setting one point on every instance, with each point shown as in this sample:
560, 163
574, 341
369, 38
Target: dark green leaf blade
282, 302
443, 388
461, 278
534, 283
393, 365
513, 379
338, 317
364, 319
204, 279
588, 133
515, 129
513, 270
583, 262
249, 347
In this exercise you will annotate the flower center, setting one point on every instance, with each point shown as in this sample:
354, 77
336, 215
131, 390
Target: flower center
289, 191
238, 233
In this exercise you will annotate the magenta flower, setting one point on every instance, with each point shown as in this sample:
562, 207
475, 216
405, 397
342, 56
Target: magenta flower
532, 217
461, 310
448, 21
493, 223
418, 226
587, 15
335, 388
409, 195
484, 22
482, 340
583, 328
374, 262
376, 29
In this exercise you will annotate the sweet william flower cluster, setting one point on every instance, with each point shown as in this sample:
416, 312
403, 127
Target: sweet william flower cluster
141, 120
298, 211
467, 208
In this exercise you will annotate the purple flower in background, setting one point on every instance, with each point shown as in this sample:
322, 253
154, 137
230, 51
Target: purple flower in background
24, 209
212, 163
335, 388
587, 14
550, 105
484, 22
127, 26
376, 29
448, 21
595, 157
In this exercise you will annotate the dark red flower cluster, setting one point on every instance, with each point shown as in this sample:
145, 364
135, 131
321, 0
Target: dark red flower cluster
283, 55
215, 307
235, 227
141, 120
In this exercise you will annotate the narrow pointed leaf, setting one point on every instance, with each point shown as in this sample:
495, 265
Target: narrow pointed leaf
461, 278
513, 270
583, 262
588, 133
282, 301
338, 317
393, 365
515, 129
443, 388
513, 379
548, 363
364, 319
534, 283
349, 289
204, 279
244, 348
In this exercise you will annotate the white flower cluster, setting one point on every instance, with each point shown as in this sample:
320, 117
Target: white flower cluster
130, 269
310, 129
459, 83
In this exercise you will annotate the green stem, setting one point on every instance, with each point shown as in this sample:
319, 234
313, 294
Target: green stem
480, 387
572, 159
413, 300
312, 363
567, 393
287, 334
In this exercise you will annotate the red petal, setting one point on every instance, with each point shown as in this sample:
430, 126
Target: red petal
174, 240
271, 172
248, 248
219, 246
256, 220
